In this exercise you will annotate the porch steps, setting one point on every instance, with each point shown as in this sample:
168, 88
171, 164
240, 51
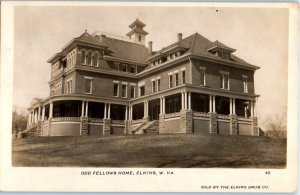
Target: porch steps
152, 127
138, 130
30, 132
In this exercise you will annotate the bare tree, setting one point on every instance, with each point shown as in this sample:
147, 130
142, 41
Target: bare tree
19, 119
275, 125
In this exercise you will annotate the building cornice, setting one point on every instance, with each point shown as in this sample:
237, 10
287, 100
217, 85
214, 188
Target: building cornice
85, 97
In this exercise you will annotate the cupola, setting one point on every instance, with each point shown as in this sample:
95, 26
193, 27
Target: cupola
137, 33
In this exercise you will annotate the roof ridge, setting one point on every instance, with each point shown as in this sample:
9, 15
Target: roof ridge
128, 42
193, 43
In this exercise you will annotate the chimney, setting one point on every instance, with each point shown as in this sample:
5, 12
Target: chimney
179, 36
150, 47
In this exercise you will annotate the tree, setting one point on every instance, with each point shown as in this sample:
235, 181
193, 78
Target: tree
275, 125
19, 119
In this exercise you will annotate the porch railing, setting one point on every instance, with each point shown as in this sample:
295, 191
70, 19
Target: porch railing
201, 114
223, 116
137, 121
242, 118
172, 115
56, 119
96, 120
118, 122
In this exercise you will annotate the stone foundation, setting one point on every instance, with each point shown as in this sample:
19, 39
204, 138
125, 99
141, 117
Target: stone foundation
233, 125
254, 126
39, 128
127, 127
186, 121
84, 126
213, 122
161, 122
106, 126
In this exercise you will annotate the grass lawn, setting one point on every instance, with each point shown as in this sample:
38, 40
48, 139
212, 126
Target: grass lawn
159, 150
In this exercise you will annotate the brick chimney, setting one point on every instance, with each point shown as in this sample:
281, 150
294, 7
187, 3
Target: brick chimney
150, 47
179, 36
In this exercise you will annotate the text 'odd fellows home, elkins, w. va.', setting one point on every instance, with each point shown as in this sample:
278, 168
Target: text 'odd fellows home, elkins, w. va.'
105, 84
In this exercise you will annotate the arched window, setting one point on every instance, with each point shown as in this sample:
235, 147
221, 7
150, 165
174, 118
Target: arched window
95, 59
82, 57
140, 38
89, 58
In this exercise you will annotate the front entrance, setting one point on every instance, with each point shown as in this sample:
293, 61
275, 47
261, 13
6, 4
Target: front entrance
154, 109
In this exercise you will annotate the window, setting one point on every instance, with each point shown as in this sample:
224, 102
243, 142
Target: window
245, 84
88, 85
89, 58
158, 84
116, 89
131, 69
69, 86
153, 86
183, 76
124, 67
142, 90
202, 76
95, 60
124, 90
82, 57
224, 80
176, 79
170, 81
116, 65
140, 38
132, 91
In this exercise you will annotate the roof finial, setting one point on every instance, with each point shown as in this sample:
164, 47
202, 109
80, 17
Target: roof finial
85, 30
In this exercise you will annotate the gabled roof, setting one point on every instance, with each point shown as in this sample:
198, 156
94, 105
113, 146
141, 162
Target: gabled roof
85, 38
137, 22
126, 50
197, 44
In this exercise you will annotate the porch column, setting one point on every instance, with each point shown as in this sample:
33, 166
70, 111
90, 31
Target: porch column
29, 119
230, 106
130, 112
51, 110
86, 108
145, 109
82, 109
126, 113
233, 106
214, 103
108, 114
39, 113
163, 105
105, 110
190, 101
210, 103
182, 100
185, 100
252, 108
43, 113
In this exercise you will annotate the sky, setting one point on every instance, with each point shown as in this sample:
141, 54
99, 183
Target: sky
260, 36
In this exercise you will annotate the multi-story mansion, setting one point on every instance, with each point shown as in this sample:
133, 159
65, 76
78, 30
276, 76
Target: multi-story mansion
105, 84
